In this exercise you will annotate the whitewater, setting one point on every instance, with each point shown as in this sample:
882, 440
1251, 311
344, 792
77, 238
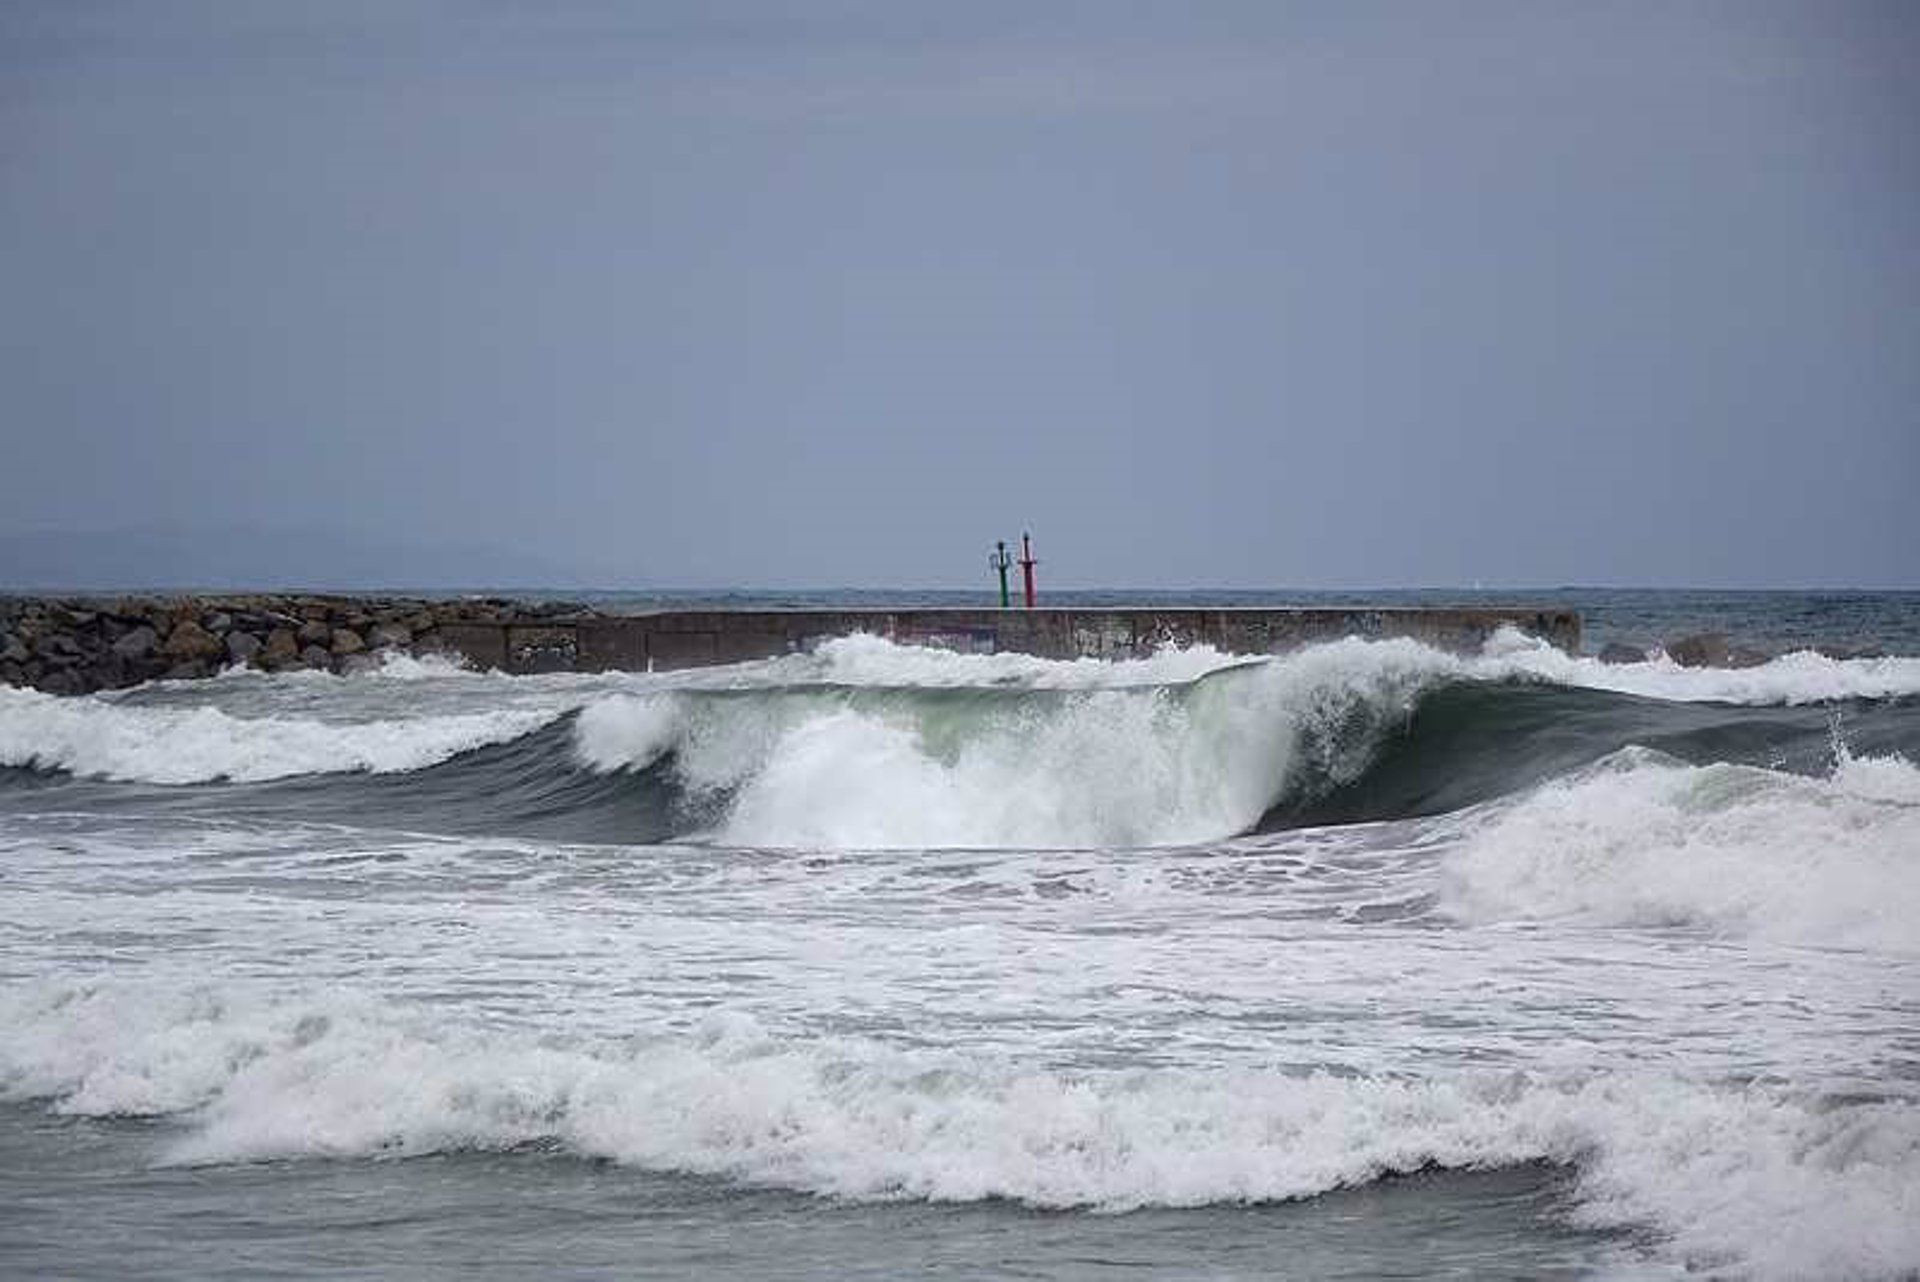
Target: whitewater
1358, 960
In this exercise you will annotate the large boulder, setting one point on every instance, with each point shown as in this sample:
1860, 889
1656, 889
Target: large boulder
347, 641
57, 647
282, 648
137, 643
1712, 650
315, 632
63, 681
390, 636
314, 657
242, 646
1699, 650
1615, 652
189, 642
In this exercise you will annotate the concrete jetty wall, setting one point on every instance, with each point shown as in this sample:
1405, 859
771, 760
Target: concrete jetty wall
695, 638
78, 645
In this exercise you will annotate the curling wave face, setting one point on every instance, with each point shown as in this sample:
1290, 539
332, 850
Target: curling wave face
885, 766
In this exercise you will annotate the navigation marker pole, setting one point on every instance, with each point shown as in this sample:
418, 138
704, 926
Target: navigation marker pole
1027, 563
1000, 559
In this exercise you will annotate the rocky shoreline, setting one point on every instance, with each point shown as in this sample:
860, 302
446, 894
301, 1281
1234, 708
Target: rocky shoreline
77, 645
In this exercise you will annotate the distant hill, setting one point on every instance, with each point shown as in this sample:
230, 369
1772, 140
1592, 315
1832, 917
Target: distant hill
242, 557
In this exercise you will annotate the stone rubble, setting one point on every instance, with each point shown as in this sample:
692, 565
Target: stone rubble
76, 645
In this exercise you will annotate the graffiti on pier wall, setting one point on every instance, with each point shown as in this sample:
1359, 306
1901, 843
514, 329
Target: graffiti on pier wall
960, 641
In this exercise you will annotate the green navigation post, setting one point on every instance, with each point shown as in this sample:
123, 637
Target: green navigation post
1000, 559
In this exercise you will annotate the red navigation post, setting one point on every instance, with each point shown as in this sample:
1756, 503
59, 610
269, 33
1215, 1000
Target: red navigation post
1026, 565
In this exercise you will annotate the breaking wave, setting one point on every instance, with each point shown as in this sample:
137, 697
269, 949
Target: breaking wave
1643, 839
866, 744
1801, 677
1760, 1180
108, 740
879, 766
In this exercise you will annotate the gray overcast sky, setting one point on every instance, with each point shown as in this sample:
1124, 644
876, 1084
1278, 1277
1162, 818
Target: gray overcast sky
803, 294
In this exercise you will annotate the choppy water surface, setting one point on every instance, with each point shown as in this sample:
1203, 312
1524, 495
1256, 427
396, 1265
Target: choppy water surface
1360, 961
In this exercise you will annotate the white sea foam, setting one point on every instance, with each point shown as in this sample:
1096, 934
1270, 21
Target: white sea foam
867, 660
1755, 1180
397, 665
172, 745
1642, 839
628, 732
1798, 678
383, 665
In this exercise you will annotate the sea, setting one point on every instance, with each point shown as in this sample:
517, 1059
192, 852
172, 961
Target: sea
1361, 961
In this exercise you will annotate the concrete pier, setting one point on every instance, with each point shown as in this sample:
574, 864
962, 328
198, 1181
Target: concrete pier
77, 645
695, 638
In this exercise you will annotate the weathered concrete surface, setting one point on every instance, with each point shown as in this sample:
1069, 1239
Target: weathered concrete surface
699, 638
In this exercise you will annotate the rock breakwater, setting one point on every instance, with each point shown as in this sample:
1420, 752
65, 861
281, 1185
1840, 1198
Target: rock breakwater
79, 645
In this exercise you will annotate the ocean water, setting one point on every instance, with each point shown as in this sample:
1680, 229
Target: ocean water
1363, 961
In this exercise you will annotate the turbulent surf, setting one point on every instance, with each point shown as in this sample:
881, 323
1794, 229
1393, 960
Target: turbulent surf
897, 927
